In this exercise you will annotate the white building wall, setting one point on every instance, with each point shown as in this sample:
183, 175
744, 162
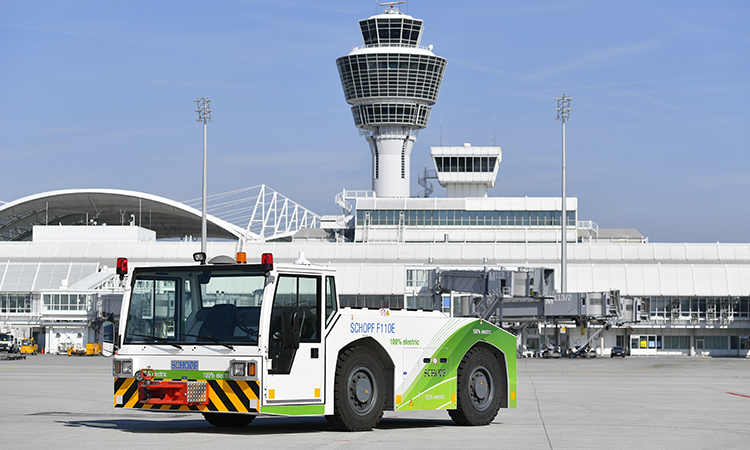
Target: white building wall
650, 269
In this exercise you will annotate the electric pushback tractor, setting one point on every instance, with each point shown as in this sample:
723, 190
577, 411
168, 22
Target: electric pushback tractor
233, 341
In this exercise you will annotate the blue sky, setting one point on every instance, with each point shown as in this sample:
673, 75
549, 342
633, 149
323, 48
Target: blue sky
100, 95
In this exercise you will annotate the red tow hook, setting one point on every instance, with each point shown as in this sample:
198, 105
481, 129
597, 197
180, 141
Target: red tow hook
170, 392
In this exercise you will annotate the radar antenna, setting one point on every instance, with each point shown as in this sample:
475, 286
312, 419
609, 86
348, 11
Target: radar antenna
391, 5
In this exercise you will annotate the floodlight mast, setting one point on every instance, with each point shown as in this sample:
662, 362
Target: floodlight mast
204, 115
563, 115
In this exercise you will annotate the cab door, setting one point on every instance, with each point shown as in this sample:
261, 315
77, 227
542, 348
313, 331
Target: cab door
294, 373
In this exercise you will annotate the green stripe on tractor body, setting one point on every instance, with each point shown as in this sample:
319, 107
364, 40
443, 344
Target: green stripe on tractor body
435, 387
294, 410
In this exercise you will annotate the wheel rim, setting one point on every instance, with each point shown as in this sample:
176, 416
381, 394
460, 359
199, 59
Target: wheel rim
481, 388
362, 390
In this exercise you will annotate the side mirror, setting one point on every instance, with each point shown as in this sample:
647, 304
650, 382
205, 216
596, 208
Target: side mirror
290, 330
108, 339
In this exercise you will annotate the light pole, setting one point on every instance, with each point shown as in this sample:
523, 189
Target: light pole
204, 115
563, 115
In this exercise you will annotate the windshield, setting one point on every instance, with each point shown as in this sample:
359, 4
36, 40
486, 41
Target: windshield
26, 342
200, 305
5, 337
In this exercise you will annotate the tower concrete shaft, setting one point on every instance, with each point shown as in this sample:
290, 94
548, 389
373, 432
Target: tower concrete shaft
391, 83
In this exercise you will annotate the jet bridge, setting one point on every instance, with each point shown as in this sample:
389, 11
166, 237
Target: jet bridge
501, 294
527, 295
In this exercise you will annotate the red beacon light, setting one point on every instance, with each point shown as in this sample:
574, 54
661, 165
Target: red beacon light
266, 262
122, 267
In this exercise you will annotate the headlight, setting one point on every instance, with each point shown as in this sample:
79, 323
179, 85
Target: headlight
122, 367
243, 370
238, 369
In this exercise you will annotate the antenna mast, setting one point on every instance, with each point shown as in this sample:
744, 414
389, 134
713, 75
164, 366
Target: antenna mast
494, 131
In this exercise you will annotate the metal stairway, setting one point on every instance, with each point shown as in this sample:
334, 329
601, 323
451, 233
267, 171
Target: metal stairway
422, 178
607, 325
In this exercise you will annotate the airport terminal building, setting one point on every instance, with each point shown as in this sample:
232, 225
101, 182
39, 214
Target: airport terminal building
58, 249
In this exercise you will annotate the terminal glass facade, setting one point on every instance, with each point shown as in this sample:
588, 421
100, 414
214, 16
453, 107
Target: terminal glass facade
67, 302
694, 308
417, 278
15, 302
372, 301
459, 218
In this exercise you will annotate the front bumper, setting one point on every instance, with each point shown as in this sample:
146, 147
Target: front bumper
220, 395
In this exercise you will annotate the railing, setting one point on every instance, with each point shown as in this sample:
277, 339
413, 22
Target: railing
421, 47
342, 199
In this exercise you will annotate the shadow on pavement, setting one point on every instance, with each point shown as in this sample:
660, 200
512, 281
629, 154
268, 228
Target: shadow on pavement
260, 426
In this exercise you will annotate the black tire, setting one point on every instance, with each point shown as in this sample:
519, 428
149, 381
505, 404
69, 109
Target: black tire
479, 388
359, 391
228, 420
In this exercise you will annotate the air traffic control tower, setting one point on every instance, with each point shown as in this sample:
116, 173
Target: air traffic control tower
391, 83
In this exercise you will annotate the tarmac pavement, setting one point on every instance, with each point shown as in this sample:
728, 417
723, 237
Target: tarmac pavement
65, 402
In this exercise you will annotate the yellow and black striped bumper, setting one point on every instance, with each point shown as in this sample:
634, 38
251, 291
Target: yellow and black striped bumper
224, 395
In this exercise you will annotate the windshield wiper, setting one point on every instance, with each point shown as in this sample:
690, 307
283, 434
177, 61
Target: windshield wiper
212, 339
156, 338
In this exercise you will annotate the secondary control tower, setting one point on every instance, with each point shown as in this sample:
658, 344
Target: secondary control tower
391, 83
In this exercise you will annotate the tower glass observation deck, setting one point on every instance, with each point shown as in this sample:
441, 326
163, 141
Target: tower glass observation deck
391, 83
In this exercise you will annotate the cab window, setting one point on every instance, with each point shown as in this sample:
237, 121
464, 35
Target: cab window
331, 306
